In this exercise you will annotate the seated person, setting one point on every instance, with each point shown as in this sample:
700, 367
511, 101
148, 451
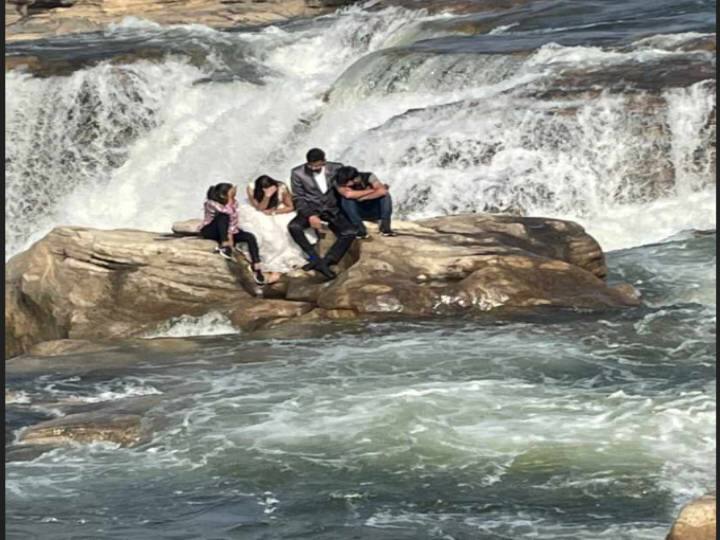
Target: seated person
316, 200
221, 224
363, 196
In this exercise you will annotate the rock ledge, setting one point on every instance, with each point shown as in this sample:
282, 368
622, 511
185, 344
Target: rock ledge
87, 284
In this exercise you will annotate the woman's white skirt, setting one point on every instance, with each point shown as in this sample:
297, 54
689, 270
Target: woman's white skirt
278, 251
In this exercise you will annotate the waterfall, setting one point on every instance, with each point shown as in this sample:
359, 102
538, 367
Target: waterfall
135, 145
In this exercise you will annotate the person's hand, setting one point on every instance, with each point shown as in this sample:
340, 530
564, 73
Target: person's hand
315, 222
269, 212
269, 191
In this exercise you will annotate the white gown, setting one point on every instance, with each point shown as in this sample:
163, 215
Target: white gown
278, 251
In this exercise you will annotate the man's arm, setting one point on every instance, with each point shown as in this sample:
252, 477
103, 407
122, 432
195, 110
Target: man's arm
378, 189
300, 196
349, 193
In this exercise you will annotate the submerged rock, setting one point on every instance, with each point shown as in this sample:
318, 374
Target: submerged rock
697, 520
127, 422
86, 284
58, 347
123, 429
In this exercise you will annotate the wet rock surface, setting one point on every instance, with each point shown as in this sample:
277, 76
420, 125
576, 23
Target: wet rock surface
92, 285
697, 520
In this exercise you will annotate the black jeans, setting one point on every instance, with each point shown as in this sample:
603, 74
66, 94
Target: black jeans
344, 235
356, 211
217, 230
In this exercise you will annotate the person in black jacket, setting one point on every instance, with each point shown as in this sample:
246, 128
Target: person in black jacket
316, 200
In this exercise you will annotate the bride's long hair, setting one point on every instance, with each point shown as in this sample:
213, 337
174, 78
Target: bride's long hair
263, 182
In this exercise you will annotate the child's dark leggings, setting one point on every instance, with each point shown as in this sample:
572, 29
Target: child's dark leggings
217, 230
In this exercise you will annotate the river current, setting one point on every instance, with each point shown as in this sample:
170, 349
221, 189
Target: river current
563, 426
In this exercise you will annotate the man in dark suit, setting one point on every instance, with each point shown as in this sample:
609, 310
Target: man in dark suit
315, 198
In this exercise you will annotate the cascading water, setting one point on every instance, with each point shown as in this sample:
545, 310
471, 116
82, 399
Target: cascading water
576, 428
136, 145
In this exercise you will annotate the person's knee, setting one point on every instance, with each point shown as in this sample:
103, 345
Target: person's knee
295, 226
349, 205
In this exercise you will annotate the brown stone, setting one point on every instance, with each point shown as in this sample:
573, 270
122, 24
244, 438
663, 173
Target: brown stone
250, 314
123, 429
89, 285
93, 285
697, 520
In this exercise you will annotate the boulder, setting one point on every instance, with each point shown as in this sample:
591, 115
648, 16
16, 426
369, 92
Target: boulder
697, 520
127, 422
122, 429
87, 284
251, 314
189, 227
456, 265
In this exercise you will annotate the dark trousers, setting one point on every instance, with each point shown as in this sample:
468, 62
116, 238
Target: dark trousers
374, 209
339, 225
217, 230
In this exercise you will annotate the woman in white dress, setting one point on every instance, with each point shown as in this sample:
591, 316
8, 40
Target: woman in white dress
272, 210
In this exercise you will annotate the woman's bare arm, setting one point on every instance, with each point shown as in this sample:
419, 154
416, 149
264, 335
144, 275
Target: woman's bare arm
261, 205
287, 202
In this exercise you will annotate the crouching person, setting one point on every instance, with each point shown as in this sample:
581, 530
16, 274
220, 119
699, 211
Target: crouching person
364, 197
220, 223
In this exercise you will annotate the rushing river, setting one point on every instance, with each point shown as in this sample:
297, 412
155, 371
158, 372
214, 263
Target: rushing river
567, 426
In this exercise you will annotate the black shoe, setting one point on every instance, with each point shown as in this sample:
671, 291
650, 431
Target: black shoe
309, 266
362, 235
258, 277
322, 267
225, 252
385, 229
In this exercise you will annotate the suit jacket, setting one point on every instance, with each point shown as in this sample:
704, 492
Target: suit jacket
308, 199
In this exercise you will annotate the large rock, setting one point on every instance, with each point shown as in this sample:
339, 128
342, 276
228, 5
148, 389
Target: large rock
123, 429
127, 422
474, 263
33, 19
86, 284
89, 284
697, 520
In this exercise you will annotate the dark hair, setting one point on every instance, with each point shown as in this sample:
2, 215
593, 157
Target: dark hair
315, 154
263, 182
219, 192
345, 174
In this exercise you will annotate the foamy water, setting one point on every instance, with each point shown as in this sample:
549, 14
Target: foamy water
570, 428
451, 132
